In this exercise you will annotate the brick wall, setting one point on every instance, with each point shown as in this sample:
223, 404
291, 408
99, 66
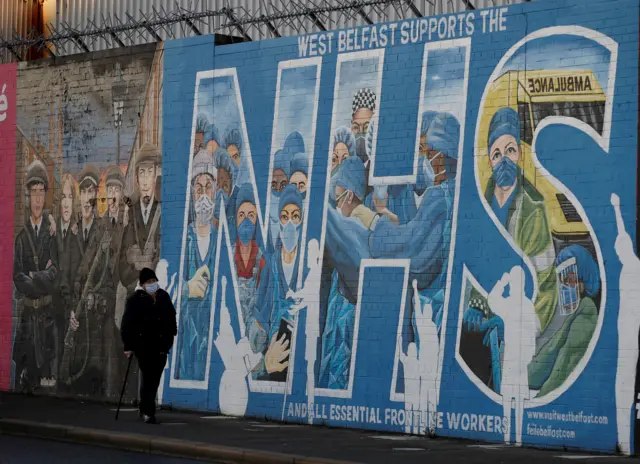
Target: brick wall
422, 227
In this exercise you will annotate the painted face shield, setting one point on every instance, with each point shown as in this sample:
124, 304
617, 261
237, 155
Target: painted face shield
567, 276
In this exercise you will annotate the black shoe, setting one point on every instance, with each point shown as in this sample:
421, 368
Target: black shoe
140, 415
150, 420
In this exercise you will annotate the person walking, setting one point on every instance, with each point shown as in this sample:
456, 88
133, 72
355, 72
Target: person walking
148, 330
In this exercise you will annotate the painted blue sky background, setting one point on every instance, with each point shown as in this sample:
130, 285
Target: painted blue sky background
295, 108
217, 100
563, 52
444, 84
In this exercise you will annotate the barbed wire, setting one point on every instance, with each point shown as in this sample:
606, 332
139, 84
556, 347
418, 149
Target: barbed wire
300, 16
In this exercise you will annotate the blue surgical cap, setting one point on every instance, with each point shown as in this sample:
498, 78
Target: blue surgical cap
211, 133
222, 160
350, 176
294, 143
288, 196
443, 134
505, 122
344, 135
427, 118
233, 137
300, 163
245, 194
203, 164
282, 160
588, 271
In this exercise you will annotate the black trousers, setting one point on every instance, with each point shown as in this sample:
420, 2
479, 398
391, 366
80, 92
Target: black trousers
151, 367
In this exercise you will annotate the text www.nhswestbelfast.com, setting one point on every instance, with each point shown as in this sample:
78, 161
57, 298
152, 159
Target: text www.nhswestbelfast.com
555, 432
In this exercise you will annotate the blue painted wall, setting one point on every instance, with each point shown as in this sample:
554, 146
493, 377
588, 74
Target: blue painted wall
411, 227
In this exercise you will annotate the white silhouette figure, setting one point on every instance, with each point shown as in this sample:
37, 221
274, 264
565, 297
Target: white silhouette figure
519, 317
411, 367
628, 327
427, 359
162, 273
307, 297
238, 359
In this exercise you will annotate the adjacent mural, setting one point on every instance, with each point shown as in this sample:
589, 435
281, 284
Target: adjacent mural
87, 217
423, 227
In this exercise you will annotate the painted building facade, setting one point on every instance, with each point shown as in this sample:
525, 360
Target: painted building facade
424, 227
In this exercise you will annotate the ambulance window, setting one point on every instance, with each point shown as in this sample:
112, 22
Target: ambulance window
591, 113
526, 129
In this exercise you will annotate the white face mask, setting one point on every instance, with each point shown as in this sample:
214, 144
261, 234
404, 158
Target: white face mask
152, 288
204, 209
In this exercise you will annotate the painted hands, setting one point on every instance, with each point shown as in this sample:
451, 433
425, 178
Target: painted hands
199, 283
275, 358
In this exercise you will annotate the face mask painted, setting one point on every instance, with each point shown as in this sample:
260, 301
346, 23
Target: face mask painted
221, 196
332, 185
426, 177
304, 195
504, 173
246, 231
289, 235
274, 214
361, 148
204, 208
338, 199
151, 288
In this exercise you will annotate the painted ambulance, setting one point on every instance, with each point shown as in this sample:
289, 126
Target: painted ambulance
536, 95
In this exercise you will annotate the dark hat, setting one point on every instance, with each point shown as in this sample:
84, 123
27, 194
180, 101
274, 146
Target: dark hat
148, 154
89, 175
146, 275
37, 174
114, 177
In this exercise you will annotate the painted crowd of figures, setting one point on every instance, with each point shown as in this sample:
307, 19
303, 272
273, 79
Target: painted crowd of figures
73, 270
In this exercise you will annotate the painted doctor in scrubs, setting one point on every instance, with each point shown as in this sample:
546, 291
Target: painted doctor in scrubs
520, 208
352, 221
248, 255
426, 208
300, 173
273, 305
199, 259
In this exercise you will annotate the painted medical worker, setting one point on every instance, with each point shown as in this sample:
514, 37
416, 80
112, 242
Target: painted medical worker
578, 279
337, 337
224, 188
363, 107
248, 256
520, 208
233, 145
199, 259
273, 305
344, 146
279, 180
426, 208
300, 173
212, 140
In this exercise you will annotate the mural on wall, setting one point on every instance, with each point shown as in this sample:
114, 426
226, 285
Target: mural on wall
400, 227
554, 333
89, 221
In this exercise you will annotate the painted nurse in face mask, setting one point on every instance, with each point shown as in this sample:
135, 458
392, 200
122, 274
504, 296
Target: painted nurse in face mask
272, 306
199, 259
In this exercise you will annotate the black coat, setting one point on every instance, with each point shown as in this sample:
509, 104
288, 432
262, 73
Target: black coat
148, 326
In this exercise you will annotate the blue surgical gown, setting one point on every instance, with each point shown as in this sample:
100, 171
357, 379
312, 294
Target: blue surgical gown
193, 333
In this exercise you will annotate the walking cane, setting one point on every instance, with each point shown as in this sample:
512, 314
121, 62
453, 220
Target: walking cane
124, 384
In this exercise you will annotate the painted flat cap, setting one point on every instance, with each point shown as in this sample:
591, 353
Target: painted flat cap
114, 176
89, 175
148, 154
37, 174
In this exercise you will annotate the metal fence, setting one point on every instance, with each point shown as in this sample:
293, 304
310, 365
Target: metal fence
77, 26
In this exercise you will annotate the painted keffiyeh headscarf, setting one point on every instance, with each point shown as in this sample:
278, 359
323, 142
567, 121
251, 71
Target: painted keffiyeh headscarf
364, 98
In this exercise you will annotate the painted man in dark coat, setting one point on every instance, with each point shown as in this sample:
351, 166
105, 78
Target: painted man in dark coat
35, 276
92, 286
141, 240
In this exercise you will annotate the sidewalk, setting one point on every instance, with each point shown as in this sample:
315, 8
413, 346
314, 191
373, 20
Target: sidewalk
221, 439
